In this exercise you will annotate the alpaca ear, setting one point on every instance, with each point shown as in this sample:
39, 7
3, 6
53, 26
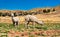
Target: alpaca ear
12, 14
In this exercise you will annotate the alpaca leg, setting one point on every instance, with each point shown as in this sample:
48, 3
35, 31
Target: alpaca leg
13, 23
26, 24
17, 23
33, 24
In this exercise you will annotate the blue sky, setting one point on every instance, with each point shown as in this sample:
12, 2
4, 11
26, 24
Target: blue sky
27, 4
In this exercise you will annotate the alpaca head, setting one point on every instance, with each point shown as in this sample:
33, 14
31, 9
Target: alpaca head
12, 14
40, 22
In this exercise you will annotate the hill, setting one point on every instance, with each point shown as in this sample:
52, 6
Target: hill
45, 14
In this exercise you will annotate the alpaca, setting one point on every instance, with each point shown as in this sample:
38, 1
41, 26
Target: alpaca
15, 19
33, 19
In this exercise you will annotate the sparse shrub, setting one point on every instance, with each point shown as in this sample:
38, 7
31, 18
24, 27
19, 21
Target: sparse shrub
19, 14
6, 14
3, 14
35, 13
25, 13
48, 10
30, 13
44, 11
0, 13
9, 14
53, 9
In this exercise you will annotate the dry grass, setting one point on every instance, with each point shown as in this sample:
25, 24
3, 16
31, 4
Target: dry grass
53, 18
48, 29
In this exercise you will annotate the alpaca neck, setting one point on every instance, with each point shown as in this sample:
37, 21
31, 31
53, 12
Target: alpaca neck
12, 18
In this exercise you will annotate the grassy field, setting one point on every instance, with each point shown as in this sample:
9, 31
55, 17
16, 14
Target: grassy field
6, 28
51, 28
46, 26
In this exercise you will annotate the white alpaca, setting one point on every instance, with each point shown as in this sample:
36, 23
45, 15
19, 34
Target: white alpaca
15, 20
33, 19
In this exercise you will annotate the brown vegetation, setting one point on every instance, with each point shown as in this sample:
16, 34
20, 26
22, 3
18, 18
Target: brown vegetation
45, 14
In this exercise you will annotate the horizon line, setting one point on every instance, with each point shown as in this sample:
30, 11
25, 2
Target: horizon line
31, 8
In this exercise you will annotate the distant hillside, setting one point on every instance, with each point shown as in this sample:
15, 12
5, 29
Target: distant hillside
32, 11
49, 15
